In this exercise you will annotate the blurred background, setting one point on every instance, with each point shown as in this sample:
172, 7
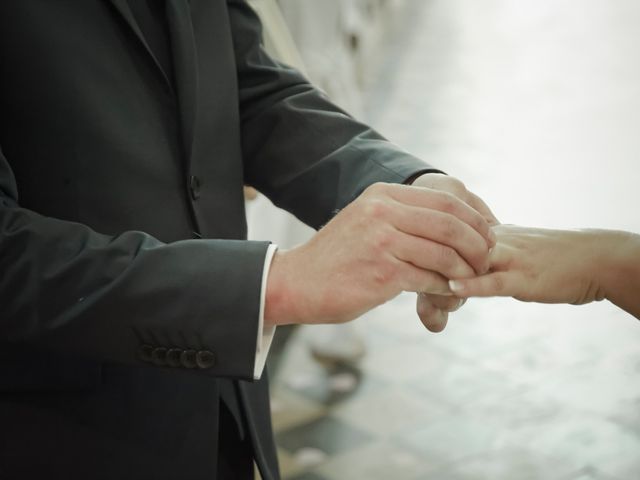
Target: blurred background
536, 107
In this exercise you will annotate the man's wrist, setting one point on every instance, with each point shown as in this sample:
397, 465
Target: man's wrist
279, 301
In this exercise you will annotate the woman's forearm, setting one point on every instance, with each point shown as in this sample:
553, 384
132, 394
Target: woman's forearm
621, 278
561, 266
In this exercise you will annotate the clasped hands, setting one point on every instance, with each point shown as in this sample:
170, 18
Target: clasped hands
392, 238
441, 241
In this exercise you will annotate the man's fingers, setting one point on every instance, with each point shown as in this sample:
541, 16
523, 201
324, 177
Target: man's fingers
420, 280
434, 319
448, 230
447, 303
456, 187
434, 310
431, 256
444, 202
496, 284
481, 207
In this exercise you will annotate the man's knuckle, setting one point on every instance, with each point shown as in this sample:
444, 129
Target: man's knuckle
376, 188
384, 274
457, 185
448, 202
382, 241
376, 209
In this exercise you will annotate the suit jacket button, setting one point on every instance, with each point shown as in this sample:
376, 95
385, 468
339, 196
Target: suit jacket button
173, 357
145, 352
159, 356
205, 359
188, 358
194, 187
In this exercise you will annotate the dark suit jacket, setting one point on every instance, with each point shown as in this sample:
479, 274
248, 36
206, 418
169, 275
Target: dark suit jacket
128, 292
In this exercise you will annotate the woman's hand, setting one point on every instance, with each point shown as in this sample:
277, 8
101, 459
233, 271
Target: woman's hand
560, 266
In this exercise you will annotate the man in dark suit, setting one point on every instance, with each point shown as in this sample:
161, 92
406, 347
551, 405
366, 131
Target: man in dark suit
134, 316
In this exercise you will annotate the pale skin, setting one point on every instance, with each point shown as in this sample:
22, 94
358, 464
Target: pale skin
392, 238
561, 266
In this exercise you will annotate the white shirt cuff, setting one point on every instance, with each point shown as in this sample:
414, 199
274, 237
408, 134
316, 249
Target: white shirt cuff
265, 335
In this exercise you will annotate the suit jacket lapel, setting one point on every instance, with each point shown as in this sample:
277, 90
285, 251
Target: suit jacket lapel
185, 66
122, 7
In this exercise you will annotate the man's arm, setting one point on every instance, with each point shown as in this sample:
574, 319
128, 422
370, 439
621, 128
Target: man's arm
116, 298
313, 159
306, 154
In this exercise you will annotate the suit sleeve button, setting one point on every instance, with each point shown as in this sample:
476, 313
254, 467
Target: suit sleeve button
205, 359
173, 357
159, 356
145, 352
188, 358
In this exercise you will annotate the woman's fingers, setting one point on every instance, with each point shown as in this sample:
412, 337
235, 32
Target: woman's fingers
496, 284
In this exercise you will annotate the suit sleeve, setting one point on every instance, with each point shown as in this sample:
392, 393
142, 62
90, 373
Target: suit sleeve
127, 298
307, 155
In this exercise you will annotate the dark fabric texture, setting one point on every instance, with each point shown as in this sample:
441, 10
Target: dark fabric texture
150, 17
128, 293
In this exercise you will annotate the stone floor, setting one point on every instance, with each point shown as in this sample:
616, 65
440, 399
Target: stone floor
536, 106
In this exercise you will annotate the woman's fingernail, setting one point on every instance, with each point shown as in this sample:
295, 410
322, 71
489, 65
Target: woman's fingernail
455, 286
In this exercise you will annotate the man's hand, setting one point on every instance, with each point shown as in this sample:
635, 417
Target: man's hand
392, 238
444, 183
433, 308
